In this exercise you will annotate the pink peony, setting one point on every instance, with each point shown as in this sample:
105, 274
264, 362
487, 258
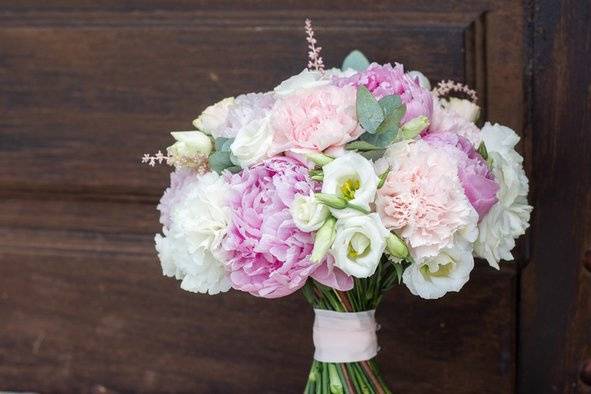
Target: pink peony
423, 200
477, 179
268, 256
387, 80
180, 181
315, 120
447, 121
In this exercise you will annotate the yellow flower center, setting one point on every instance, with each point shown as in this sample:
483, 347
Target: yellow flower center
348, 188
359, 246
443, 270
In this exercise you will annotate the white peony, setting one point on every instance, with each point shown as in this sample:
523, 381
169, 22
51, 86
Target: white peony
509, 217
359, 244
435, 276
190, 144
353, 178
191, 247
252, 142
214, 117
308, 214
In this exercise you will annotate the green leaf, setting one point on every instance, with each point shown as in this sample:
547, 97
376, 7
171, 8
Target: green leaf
381, 140
219, 161
392, 121
388, 103
222, 144
369, 111
482, 150
373, 154
361, 145
355, 60
399, 270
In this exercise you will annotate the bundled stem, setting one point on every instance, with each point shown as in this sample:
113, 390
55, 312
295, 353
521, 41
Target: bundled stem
357, 377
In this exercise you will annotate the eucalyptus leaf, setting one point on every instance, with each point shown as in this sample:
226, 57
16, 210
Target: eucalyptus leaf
373, 154
369, 111
392, 121
381, 140
222, 144
361, 145
219, 161
356, 61
388, 103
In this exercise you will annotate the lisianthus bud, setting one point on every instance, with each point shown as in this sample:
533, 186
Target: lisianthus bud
319, 158
323, 240
190, 144
413, 127
396, 247
382, 178
331, 200
316, 174
465, 108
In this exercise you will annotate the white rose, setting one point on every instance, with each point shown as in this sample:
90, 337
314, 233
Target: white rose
435, 276
213, 117
308, 214
305, 80
359, 244
464, 108
353, 178
509, 217
190, 144
252, 142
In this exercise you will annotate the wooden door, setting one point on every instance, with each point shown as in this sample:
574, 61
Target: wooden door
86, 87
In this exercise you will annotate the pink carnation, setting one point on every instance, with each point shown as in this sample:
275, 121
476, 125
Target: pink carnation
315, 120
387, 80
423, 200
180, 181
446, 121
268, 256
477, 179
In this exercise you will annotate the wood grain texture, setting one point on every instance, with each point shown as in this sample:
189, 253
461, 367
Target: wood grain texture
556, 288
86, 87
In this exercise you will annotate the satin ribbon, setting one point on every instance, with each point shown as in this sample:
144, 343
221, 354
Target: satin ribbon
343, 337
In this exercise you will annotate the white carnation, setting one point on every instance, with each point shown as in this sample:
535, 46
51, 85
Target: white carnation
509, 217
191, 247
435, 276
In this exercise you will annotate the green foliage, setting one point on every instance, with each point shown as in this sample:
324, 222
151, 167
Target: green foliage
369, 112
356, 61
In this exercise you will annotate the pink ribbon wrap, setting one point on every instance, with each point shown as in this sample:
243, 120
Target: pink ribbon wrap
343, 337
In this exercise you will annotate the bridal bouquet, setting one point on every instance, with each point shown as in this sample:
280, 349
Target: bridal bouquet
342, 183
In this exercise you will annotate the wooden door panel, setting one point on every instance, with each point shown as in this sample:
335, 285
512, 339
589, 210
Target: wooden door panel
86, 88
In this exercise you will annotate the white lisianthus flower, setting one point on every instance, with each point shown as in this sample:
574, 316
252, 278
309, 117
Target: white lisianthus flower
190, 144
214, 117
353, 178
359, 244
191, 246
465, 108
252, 142
435, 276
509, 217
308, 214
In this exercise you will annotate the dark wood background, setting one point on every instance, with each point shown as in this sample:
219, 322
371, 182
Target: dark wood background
87, 86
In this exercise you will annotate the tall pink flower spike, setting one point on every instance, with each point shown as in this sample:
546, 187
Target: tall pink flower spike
315, 62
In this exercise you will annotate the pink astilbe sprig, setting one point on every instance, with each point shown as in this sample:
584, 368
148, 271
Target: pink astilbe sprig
445, 87
158, 157
315, 62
